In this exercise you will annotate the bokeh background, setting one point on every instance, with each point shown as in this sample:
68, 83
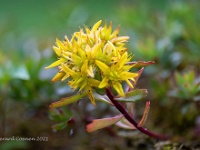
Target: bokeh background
166, 32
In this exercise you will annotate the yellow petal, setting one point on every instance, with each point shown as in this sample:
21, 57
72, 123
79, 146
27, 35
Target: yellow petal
66, 39
65, 77
118, 87
81, 53
96, 50
113, 47
68, 44
90, 71
120, 39
57, 50
114, 59
58, 76
129, 83
96, 25
104, 68
103, 32
83, 85
132, 79
108, 32
78, 81
103, 83
77, 34
122, 61
127, 75
89, 41
77, 60
67, 55
107, 49
115, 33
128, 67
67, 70
87, 30
84, 68
93, 82
60, 44
56, 63
122, 50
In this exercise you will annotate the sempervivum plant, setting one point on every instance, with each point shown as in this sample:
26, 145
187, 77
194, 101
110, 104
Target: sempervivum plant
97, 63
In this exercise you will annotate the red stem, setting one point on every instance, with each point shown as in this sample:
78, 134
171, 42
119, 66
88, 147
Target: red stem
130, 119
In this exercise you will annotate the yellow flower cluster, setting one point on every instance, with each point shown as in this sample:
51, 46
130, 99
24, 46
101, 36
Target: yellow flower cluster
95, 58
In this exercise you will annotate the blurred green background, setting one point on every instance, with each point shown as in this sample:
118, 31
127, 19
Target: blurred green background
166, 32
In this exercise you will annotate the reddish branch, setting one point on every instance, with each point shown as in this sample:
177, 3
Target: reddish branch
130, 119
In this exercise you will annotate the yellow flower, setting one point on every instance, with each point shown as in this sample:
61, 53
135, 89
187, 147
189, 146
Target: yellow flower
95, 51
116, 73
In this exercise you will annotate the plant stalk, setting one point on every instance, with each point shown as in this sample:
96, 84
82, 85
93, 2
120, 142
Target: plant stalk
130, 119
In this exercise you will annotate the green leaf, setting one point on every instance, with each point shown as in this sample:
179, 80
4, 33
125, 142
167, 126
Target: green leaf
133, 96
186, 84
59, 115
68, 100
103, 98
141, 63
178, 78
100, 91
125, 124
102, 123
189, 76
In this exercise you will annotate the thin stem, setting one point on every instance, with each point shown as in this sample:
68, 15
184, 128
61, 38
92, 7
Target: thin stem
130, 119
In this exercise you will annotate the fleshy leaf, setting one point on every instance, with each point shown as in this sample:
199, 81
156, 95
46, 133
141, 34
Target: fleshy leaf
67, 100
103, 98
145, 114
102, 123
130, 108
100, 91
133, 96
124, 123
59, 115
141, 63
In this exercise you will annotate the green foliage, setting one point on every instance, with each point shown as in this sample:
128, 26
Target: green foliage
188, 86
133, 96
62, 116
